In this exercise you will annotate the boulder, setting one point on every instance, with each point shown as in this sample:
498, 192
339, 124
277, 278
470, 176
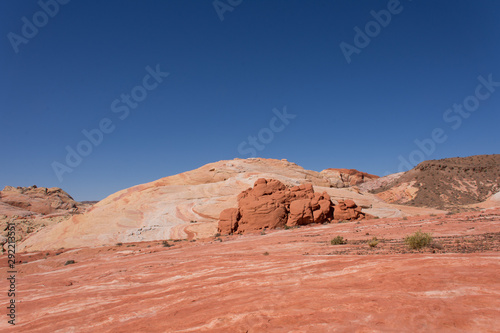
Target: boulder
228, 220
347, 210
263, 206
301, 213
323, 214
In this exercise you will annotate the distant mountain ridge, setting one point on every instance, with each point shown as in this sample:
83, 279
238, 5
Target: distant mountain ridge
444, 183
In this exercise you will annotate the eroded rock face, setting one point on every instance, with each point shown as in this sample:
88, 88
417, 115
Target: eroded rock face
271, 204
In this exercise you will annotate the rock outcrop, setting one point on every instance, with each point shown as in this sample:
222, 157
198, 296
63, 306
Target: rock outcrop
347, 177
25, 201
348, 210
271, 204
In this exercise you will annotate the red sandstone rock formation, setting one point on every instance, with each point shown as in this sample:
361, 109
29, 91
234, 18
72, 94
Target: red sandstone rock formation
348, 210
270, 204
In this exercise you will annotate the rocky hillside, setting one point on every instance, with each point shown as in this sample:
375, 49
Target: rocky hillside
445, 183
33, 208
26, 201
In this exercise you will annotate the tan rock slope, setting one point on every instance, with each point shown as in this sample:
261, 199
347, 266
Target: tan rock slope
443, 184
188, 205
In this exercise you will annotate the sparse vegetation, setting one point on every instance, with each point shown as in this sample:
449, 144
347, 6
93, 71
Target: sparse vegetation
374, 242
166, 244
69, 262
217, 234
263, 232
418, 240
119, 244
266, 253
339, 240
404, 218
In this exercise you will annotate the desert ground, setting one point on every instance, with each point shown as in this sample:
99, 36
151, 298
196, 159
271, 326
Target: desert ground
279, 281
96, 267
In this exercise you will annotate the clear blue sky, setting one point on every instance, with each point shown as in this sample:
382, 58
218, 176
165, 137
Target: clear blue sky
226, 77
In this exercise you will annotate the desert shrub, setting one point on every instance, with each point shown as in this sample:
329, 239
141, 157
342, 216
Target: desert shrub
266, 253
166, 244
286, 227
69, 262
217, 234
404, 218
418, 240
339, 240
374, 242
119, 244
